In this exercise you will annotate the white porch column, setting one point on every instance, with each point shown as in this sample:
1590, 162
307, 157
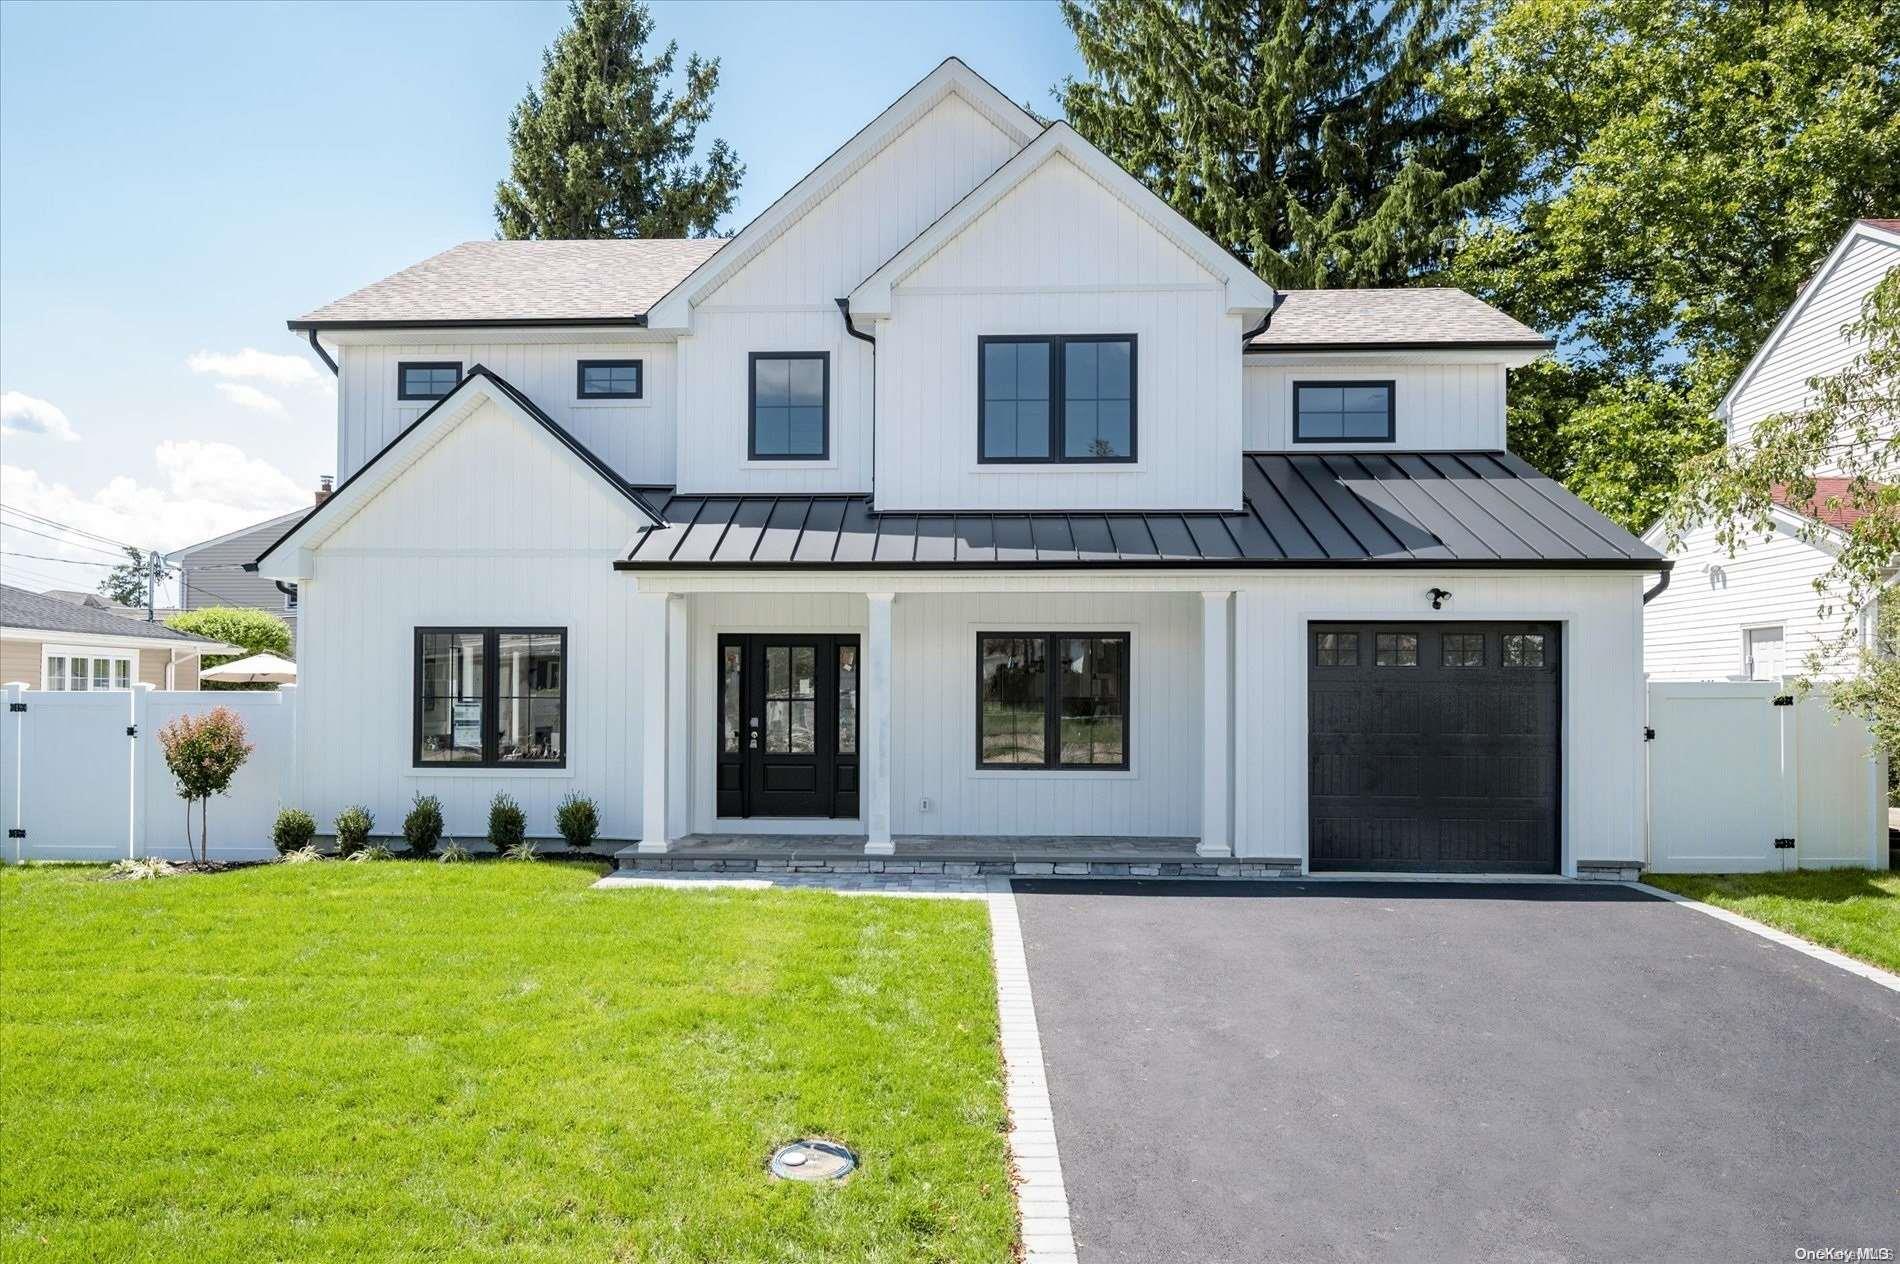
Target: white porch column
679, 733
650, 613
1217, 780
874, 724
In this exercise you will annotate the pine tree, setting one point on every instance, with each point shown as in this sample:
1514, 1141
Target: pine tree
601, 149
1302, 135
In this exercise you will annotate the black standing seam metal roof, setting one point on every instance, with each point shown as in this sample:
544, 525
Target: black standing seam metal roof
1379, 509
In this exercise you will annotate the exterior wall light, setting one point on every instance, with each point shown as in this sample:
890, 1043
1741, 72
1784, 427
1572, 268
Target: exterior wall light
1439, 597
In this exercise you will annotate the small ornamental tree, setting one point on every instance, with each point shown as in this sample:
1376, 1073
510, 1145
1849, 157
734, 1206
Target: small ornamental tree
203, 752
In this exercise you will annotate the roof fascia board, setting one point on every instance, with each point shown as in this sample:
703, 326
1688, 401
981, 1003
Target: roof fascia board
634, 321
1246, 292
565, 332
1855, 231
106, 640
673, 311
1649, 565
295, 547
1513, 355
1785, 520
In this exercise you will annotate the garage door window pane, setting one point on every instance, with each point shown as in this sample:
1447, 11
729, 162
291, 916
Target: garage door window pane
1013, 705
1336, 649
1523, 649
1397, 649
1464, 649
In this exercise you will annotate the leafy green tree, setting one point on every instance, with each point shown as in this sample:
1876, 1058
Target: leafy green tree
1849, 430
1305, 138
254, 631
603, 149
1675, 169
126, 583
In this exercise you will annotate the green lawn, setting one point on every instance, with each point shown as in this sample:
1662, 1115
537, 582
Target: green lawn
488, 1062
1856, 911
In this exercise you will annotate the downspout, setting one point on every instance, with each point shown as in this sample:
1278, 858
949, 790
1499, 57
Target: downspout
1652, 593
844, 310
1247, 338
322, 354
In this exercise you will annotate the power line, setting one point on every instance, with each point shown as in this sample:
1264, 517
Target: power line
67, 526
47, 557
14, 526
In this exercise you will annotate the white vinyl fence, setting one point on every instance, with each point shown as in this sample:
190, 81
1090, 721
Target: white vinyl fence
1738, 783
82, 775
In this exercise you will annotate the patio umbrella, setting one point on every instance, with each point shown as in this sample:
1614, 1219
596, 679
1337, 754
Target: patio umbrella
258, 669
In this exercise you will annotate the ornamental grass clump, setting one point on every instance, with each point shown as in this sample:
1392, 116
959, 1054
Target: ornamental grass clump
353, 825
578, 820
204, 753
422, 828
507, 823
453, 853
294, 830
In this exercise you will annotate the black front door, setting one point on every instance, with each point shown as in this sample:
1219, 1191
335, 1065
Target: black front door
788, 725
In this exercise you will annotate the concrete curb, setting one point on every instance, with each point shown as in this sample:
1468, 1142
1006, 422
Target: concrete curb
1841, 961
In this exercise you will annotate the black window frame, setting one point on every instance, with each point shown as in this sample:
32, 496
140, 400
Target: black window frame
752, 405
491, 702
402, 378
1058, 410
1391, 388
580, 379
1052, 701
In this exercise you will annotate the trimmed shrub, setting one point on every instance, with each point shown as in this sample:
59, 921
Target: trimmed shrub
507, 823
579, 821
293, 831
353, 825
453, 853
252, 631
422, 828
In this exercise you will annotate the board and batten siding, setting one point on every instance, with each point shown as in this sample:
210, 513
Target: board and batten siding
785, 299
1059, 254
1436, 407
495, 526
1603, 702
1811, 345
1693, 630
635, 437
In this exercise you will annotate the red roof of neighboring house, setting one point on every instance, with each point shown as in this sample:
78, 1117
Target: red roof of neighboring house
1891, 225
1842, 515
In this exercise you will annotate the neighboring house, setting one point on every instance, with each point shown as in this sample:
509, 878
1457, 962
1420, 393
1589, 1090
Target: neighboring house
213, 573
47, 642
968, 491
96, 601
1757, 615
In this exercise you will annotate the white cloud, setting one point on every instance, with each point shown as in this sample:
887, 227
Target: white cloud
250, 397
22, 414
208, 489
262, 366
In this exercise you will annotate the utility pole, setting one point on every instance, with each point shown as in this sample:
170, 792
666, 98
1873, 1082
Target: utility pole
154, 563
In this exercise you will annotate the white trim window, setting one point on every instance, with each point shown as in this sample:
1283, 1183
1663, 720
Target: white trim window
77, 669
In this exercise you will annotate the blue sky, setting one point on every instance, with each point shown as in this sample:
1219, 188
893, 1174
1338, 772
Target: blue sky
178, 180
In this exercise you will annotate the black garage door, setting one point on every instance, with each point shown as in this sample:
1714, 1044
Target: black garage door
1433, 746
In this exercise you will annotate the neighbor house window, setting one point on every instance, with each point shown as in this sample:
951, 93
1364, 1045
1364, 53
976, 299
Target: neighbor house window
1059, 399
790, 404
81, 671
609, 379
431, 379
491, 697
1342, 412
1052, 700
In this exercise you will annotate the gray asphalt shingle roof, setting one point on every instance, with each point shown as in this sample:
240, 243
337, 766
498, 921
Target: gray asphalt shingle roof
519, 281
1320, 509
20, 608
1421, 317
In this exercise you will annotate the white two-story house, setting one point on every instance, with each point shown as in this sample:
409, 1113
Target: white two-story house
1757, 613
969, 496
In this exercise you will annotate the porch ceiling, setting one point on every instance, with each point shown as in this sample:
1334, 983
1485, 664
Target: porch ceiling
1398, 509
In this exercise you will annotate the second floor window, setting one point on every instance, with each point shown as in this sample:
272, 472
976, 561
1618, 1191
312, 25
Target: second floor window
1342, 412
608, 379
790, 397
1056, 399
432, 379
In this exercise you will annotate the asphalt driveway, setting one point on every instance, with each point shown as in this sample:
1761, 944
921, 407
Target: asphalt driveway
1387, 1071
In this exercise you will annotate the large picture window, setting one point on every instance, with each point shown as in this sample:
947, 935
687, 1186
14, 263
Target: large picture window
790, 403
1056, 399
491, 697
1343, 412
1052, 700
